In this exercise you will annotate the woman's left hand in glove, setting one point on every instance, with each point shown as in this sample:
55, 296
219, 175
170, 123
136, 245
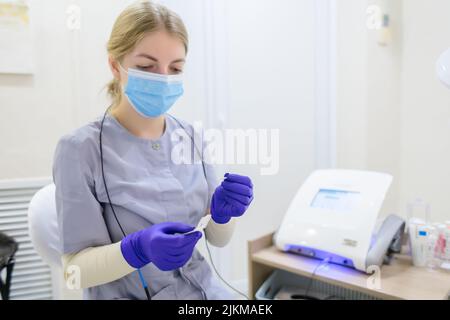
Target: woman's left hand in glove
232, 198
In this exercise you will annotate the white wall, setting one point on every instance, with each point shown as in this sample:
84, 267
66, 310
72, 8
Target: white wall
384, 101
352, 91
272, 86
65, 91
425, 126
368, 94
392, 113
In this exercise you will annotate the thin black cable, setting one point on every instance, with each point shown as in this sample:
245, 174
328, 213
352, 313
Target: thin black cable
206, 241
103, 174
120, 226
147, 293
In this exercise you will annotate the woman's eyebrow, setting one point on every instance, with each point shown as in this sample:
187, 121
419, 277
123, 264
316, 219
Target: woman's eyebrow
144, 55
179, 60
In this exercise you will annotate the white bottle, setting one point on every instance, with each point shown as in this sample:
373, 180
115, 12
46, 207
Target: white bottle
446, 259
433, 261
418, 236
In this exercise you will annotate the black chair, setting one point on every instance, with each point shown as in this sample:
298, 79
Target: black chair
8, 248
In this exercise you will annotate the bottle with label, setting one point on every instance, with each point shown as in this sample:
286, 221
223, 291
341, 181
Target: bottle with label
433, 261
446, 250
418, 237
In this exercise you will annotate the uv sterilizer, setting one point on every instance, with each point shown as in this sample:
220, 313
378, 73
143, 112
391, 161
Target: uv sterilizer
333, 216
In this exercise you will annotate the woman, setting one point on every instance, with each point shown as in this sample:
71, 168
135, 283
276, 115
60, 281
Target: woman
126, 210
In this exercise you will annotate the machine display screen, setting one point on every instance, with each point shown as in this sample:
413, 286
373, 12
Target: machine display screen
336, 200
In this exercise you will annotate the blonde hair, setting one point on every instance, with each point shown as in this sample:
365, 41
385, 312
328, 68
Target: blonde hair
132, 25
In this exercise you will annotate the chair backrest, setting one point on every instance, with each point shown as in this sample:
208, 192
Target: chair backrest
43, 225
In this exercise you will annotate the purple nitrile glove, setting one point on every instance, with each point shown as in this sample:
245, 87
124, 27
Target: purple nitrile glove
231, 198
162, 244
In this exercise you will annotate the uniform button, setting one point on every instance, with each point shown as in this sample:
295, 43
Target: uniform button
156, 146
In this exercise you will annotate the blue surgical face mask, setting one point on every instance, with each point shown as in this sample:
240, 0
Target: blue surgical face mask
152, 94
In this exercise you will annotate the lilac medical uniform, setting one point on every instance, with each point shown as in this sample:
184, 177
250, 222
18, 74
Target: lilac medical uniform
146, 187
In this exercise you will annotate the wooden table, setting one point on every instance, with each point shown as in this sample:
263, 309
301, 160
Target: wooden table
399, 280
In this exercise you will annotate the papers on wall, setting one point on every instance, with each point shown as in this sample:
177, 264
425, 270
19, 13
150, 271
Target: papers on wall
15, 37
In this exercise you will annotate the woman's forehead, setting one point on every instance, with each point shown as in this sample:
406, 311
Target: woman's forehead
160, 46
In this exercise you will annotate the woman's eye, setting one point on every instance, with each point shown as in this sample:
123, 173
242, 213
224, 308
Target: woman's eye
176, 70
145, 67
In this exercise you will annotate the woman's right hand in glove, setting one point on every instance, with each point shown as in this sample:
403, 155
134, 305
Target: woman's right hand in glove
162, 244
